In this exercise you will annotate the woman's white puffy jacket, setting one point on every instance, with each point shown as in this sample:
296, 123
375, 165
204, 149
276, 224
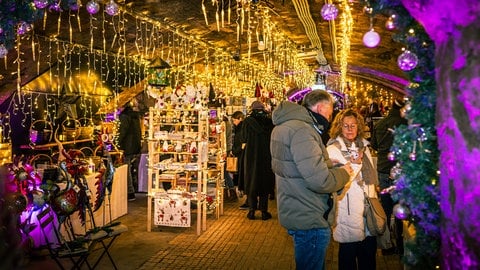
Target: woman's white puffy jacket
349, 221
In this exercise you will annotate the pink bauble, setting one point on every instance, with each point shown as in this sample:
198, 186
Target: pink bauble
329, 12
41, 4
401, 211
407, 61
3, 51
55, 7
111, 8
371, 39
23, 28
93, 7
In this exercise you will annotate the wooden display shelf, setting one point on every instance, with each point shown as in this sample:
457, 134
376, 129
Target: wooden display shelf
53, 144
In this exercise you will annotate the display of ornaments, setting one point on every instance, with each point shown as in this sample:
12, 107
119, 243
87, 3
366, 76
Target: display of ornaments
41, 4
111, 8
371, 39
329, 12
401, 211
3, 51
93, 7
407, 61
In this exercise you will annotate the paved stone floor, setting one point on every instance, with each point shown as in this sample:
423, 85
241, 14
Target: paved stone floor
230, 242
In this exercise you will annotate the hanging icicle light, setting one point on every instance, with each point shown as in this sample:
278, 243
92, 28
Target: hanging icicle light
329, 12
111, 8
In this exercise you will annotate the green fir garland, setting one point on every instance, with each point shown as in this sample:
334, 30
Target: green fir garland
415, 146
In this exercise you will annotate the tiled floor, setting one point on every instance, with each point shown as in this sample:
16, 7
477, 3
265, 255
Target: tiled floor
230, 242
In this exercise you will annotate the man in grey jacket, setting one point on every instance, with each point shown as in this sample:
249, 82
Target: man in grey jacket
305, 176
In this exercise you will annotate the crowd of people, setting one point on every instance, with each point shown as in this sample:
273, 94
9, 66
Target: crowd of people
319, 166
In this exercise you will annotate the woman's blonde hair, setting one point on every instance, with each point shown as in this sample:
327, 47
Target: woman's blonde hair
336, 128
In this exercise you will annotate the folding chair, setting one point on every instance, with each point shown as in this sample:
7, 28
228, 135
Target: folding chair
76, 250
106, 240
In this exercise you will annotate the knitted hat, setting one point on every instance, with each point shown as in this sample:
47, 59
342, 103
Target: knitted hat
398, 103
257, 105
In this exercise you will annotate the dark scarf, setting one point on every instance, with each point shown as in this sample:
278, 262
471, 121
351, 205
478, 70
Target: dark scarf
321, 122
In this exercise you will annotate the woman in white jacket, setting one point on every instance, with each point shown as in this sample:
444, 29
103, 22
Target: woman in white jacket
357, 248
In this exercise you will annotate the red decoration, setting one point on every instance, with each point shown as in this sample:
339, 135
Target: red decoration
258, 90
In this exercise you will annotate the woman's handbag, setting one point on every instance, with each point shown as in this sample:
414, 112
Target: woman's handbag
375, 215
232, 164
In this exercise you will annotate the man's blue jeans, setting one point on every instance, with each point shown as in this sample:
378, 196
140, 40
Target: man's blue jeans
310, 248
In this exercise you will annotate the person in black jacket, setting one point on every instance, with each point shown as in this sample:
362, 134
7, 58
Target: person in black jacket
237, 151
257, 169
381, 141
130, 141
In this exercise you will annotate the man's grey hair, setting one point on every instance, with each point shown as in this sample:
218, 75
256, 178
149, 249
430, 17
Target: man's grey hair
316, 96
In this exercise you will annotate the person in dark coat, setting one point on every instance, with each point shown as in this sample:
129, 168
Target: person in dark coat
130, 141
237, 151
257, 169
381, 141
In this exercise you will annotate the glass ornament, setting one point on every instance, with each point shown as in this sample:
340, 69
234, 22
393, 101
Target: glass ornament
3, 51
412, 156
391, 156
390, 24
401, 211
329, 12
41, 4
55, 7
371, 39
111, 8
23, 28
93, 7
407, 61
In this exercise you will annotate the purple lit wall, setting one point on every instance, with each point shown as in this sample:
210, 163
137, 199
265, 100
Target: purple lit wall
455, 28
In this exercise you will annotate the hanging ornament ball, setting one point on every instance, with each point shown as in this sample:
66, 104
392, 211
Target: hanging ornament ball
391, 156
1, 30
401, 211
16, 202
3, 51
422, 135
55, 7
41, 4
371, 39
367, 10
412, 156
407, 61
93, 7
23, 28
390, 24
111, 8
329, 12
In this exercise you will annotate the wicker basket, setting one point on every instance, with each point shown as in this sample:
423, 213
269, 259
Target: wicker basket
71, 130
86, 128
41, 132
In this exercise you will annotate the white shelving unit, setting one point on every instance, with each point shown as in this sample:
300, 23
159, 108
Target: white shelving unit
178, 154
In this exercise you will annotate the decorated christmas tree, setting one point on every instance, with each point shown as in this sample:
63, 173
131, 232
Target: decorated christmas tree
415, 146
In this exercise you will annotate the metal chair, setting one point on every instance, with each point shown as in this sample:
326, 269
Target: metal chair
76, 251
